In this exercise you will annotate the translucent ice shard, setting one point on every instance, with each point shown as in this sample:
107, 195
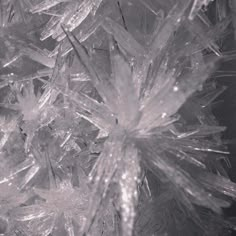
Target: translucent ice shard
50, 27
197, 5
129, 175
12, 60
80, 14
86, 29
71, 15
208, 39
103, 86
149, 6
37, 75
124, 38
184, 180
5, 13
11, 12
34, 54
96, 113
39, 56
221, 7
122, 80
7, 126
219, 184
26, 164
122, 167
30, 174
159, 41
175, 90
170, 24
45, 5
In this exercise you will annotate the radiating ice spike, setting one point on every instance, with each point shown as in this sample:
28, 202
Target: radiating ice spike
175, 90
160, 40
219, 184
103, 177
103, 86
129, 180
127, 100
179, 177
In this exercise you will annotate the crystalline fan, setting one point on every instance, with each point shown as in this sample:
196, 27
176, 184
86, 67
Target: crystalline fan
141, 120
108, 128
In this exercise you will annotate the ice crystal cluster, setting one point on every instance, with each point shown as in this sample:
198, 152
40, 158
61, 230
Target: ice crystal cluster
106, 118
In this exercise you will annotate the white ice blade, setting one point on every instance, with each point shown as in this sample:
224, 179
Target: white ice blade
28, 213
31, 173
81, 13
127, 105
104, 176
181, 178
102, 85
124, 38
129, 180
168, 101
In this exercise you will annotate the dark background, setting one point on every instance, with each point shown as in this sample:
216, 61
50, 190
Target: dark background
225, 111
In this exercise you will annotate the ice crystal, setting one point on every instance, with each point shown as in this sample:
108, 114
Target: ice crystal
133, 120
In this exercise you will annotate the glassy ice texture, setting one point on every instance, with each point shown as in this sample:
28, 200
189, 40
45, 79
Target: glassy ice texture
197, 5
106, 123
